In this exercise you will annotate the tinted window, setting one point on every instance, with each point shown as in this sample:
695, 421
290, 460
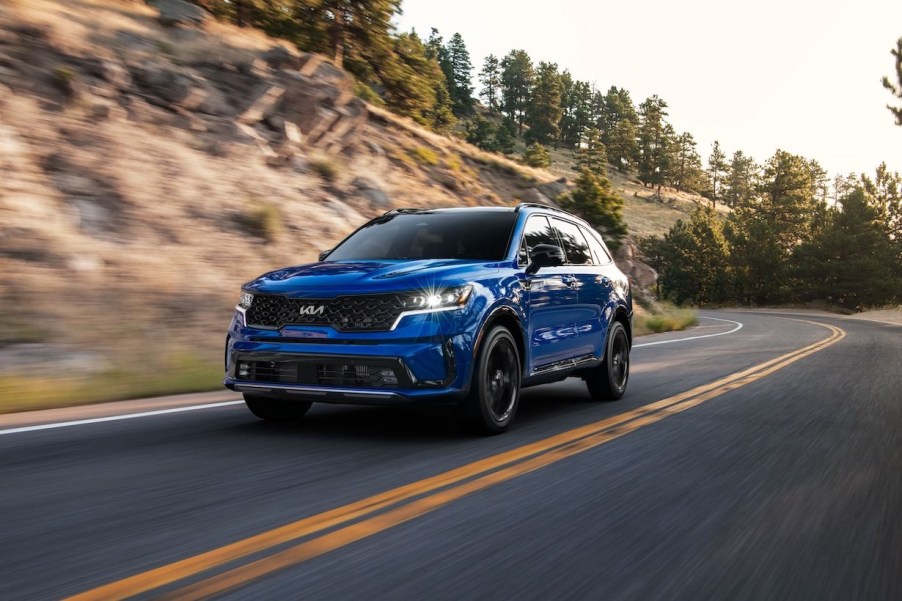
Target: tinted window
476, 235
601, 255
574, 243
537, 231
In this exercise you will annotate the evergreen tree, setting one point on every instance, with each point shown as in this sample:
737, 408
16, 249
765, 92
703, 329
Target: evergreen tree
517, 79
543, 113
482, 132
694, 260
652, 157
490, 78
576, 110
717, 166
414, 84
757, 262
506, 136
536, 155
896, 89
592, 156
738, 189
787, 200
850, 262
461, 73
686, 173
594, 200
618, 121
885, 195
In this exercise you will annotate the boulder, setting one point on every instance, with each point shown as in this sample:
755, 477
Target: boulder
369, 190
533, 195
178, 13
279, 57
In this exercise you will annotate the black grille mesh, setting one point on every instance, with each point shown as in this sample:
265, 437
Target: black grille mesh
349, 373
345, 313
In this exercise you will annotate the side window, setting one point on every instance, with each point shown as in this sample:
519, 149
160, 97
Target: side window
574, 242
537, 231
598, 250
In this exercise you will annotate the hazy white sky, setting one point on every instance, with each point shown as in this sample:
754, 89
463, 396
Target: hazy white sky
793, 74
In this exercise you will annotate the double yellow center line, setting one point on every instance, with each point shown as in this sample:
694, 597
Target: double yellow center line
353, 522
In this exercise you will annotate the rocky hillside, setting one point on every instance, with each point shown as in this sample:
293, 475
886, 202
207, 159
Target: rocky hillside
152, 162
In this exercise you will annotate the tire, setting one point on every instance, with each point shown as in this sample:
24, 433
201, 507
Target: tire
276, 409
608, 381
495, 388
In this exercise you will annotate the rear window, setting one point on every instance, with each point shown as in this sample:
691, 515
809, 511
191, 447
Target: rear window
476, 235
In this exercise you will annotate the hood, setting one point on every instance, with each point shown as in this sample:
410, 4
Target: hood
366, 277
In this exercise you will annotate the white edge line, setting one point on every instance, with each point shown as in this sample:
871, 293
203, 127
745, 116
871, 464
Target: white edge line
113, 418
736, 329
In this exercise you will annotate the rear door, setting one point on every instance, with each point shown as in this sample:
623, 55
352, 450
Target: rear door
592, 289
551, 296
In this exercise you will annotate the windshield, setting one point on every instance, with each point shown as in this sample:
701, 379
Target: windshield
474, 235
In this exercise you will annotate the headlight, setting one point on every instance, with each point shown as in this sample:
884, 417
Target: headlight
246, 299
438, 299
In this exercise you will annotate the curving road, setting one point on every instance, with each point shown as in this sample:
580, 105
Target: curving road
761, 462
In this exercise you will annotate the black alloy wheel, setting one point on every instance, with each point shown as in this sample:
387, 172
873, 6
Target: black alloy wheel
276, 409
608, 381
495, 390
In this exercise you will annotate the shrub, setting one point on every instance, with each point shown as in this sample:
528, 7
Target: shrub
326, 169
424, 155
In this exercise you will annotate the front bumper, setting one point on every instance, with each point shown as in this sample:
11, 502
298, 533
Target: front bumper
353, 370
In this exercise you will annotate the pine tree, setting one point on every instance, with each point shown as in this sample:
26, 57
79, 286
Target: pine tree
850, 262
414, 84
885, 195
536, 155
739, 187
687, 165
461, 74
717, 166
592, 155
694, 260
490, 78
506, 136
517, 79
788, 198
482, 132
896, 89
543, 113
594, 200
652, 156
618, 121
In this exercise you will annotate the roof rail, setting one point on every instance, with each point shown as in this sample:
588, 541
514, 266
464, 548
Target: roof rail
538, 205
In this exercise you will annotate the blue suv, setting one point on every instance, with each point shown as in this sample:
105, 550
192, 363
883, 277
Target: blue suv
464, 306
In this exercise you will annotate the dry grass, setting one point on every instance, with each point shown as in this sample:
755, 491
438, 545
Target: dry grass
664, 318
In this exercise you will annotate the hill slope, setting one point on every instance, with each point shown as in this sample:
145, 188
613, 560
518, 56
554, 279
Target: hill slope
149, 171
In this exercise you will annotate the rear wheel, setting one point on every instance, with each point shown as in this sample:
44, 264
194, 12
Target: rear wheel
608, 381
495, 390
276, 409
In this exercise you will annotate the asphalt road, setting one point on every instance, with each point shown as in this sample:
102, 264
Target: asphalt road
783, 483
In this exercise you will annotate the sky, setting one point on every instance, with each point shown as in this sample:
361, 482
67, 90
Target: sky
793, 74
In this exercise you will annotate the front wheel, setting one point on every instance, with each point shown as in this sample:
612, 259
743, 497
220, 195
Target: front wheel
276, 409
495, 390
607, 382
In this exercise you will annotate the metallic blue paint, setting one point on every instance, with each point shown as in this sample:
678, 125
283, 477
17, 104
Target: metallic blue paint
561, 312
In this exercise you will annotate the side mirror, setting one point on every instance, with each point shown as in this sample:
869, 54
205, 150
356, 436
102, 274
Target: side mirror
544, 255
324, 254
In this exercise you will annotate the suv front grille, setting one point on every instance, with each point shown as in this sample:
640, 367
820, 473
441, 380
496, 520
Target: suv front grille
337, 372
375, 312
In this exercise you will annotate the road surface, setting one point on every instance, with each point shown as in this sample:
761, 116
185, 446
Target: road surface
753, 462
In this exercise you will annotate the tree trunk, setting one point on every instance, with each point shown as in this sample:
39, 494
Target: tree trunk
338, 38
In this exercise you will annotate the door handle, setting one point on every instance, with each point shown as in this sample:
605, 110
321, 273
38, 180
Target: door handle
569, 281
603, 280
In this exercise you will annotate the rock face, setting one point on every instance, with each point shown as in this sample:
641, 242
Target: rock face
641, 275
177, 13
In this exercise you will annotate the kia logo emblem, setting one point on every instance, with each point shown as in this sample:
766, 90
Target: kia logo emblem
312, 310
